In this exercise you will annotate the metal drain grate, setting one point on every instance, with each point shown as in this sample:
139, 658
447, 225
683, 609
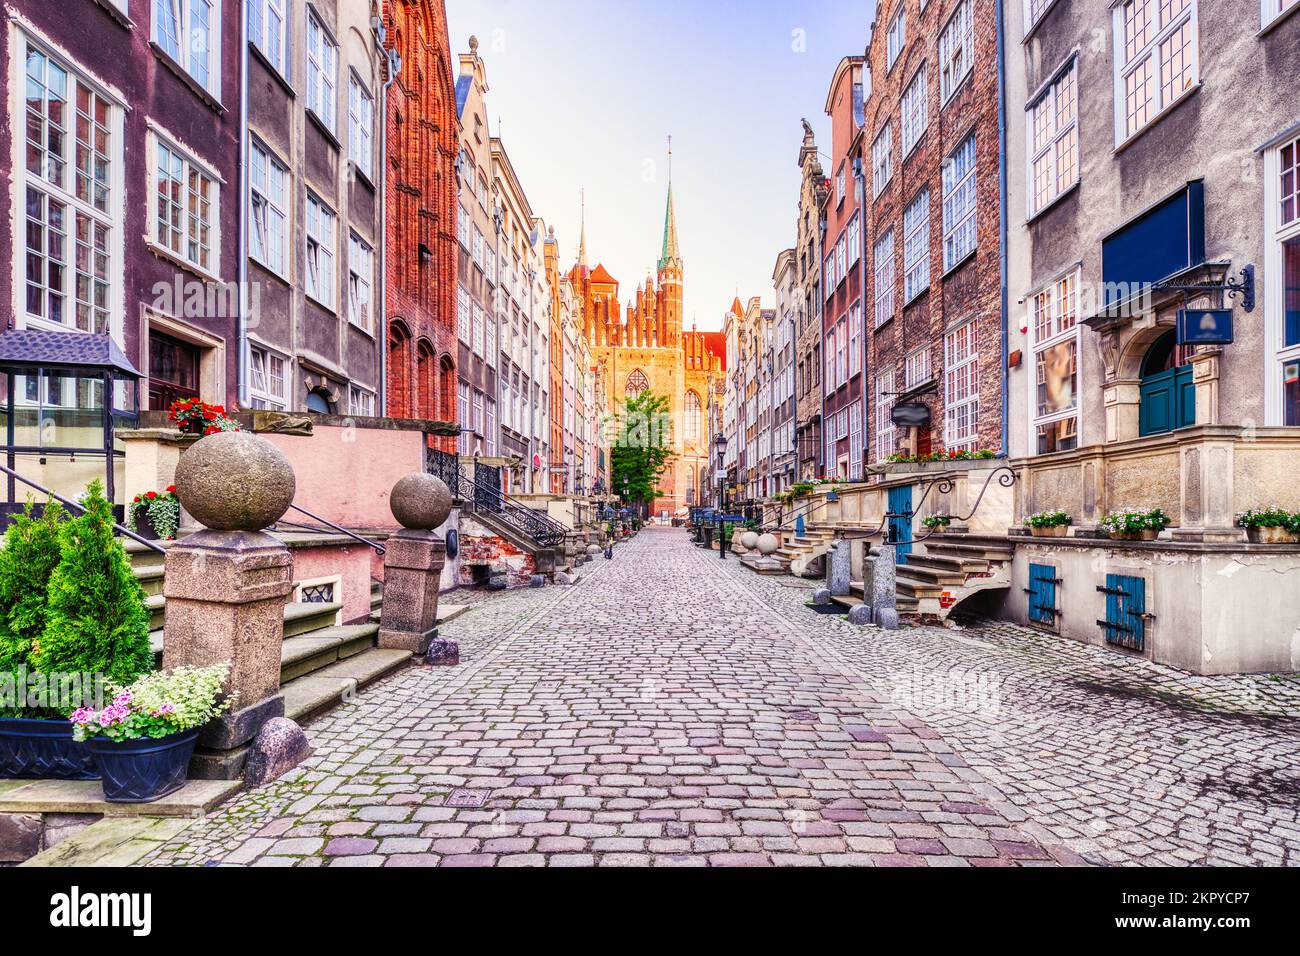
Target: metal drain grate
467, 798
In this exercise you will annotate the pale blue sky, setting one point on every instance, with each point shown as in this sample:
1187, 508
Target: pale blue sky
587, 93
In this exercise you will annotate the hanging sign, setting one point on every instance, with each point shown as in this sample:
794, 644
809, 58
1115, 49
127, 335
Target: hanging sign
1204, 326
910, 415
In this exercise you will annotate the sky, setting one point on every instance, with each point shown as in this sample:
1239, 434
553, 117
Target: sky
586, 94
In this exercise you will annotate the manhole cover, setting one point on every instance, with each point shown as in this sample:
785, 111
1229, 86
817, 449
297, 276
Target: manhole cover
467, 798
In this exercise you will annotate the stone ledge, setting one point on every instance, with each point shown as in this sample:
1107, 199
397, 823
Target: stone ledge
1019, 539
194, 799
120, 841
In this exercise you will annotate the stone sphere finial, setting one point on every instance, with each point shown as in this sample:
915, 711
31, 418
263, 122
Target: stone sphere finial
473, 44
768, 544
420, 502
235, 481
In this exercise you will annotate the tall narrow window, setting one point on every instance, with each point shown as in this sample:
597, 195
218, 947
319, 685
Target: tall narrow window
268, 384
268, 189
185, 214
961, 389
266, 30
886, 438
956, 53
1054, 140
1156, 60
694, 416
855, 338
361, 268
187, 31
883, 257
916, 246
882, 159
1282, 303
1271, 10
1053, 323
321, 232
896, 39
915, 111
959, 204
322, 73
361, 121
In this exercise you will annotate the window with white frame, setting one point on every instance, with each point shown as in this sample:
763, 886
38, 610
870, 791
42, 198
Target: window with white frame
185, 206
883, 257
321, 226
1053, 326
267, 31
477, 248
842, 358
268, 200
1282, 300
1054, 139
886, 437
916, 246
361, 272
322, 73
831, 383
1156, 60
73, 157
839, 184
896, 38
464, 316
189, 32
961, 389
916, 369
480, 320
831, 280
841, 258
855, 440
959, 204
490, 426
882, 159
361, 402
915, 113
854, 239
1271, 10
956, 51
1034, 10
267, 382
361, 123
462, 228
855, 338
464, 417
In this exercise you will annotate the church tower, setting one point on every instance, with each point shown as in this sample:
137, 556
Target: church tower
670, 276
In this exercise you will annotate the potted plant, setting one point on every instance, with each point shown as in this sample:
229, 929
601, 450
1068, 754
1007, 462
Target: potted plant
35, 739
1049, 524
194, 417
1271, 526
143, 741
1135, 525
155, 515
936, 522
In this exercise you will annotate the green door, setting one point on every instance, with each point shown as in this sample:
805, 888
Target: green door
1168, 401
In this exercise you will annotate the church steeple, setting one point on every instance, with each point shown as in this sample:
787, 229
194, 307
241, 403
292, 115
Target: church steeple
671, 254
582, 240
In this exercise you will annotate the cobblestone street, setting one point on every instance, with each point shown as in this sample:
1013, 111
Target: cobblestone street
674, 709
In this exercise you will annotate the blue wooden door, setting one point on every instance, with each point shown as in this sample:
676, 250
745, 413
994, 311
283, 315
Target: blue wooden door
1126, 605
900, 525
1168, 401
1042, 594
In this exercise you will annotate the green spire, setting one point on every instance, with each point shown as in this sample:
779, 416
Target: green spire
671, 254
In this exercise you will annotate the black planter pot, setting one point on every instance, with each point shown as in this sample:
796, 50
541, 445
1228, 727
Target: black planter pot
31, 749
141, 771
144, 525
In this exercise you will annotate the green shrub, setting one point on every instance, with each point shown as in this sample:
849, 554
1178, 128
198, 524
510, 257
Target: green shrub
1270, 518
96, 621
29, 556
937, 521
1048, 519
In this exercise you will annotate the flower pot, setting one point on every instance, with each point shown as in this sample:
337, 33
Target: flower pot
1271, 536
43, 748
144, 525
1053, 531
1147, 534
141, 771
192, 426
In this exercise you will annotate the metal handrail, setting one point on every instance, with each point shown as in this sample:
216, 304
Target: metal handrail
529, 521
378, 548
120, 529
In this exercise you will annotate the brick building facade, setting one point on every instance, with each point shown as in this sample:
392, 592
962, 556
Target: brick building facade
422, 139
930, 152
813, 189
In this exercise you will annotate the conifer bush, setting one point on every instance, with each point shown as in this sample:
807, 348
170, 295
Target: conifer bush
96, 621
31, 552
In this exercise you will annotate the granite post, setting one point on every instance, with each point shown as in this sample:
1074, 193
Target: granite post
413, 568
839, 568
884, 585
226, 587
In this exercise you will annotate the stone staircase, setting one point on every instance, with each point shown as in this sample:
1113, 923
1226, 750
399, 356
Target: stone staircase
321, 661
798, 553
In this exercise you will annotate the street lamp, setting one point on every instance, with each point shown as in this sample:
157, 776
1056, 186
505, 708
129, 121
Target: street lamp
720, 444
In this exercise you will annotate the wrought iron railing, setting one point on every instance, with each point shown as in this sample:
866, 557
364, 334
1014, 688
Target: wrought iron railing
484, 492
378, 548
444, 465
68, 503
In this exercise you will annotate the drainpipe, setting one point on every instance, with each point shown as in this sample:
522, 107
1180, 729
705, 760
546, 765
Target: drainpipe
1002, 223
532, 382
241, 334
498, 217
381, 326
861, 173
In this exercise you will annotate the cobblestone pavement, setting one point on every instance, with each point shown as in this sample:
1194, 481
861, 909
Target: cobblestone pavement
673, 709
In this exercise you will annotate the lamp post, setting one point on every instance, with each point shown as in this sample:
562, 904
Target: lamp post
720, 444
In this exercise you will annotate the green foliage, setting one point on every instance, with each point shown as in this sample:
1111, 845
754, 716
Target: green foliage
801, 489
1048, 519
96, 621
1270, 518
157, 705
1135, 522
30, 554
641, 453
937, 521
163, 509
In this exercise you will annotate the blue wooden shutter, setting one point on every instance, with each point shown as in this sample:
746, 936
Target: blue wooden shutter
1042, 594
1126, 604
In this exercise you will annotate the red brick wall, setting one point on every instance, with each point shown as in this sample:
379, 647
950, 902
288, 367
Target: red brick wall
974, 288
421, 222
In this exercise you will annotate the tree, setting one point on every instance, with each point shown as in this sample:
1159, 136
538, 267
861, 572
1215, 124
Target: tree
30, 554
641, 454
96, 621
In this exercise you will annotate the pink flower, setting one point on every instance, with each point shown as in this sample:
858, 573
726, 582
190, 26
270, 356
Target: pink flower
122, 699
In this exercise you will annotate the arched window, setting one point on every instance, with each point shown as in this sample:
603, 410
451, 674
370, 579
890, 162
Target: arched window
694, 416
636, 384
399, 371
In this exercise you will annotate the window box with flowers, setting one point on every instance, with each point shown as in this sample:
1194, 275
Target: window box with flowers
1271, 526
937, 522
1049, 524
143, 741
194, 417
155, 515
1135, 525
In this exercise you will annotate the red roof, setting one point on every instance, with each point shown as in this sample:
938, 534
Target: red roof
600, 274
715, 343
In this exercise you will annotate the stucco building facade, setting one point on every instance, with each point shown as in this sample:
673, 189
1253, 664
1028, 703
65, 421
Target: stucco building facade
814, 187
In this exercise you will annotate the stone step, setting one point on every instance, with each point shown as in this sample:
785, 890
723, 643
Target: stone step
150, 577
916, 588
970, 552
311, 696
87, 796
949, 563
936, 576
112, 841
154, 604
847, 601
309, 653
299, 619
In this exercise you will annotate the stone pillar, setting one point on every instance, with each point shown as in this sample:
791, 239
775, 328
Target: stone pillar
413, 568
226, 586
1205, 376
1123, 405
884, 588
839, 568
1207, 491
